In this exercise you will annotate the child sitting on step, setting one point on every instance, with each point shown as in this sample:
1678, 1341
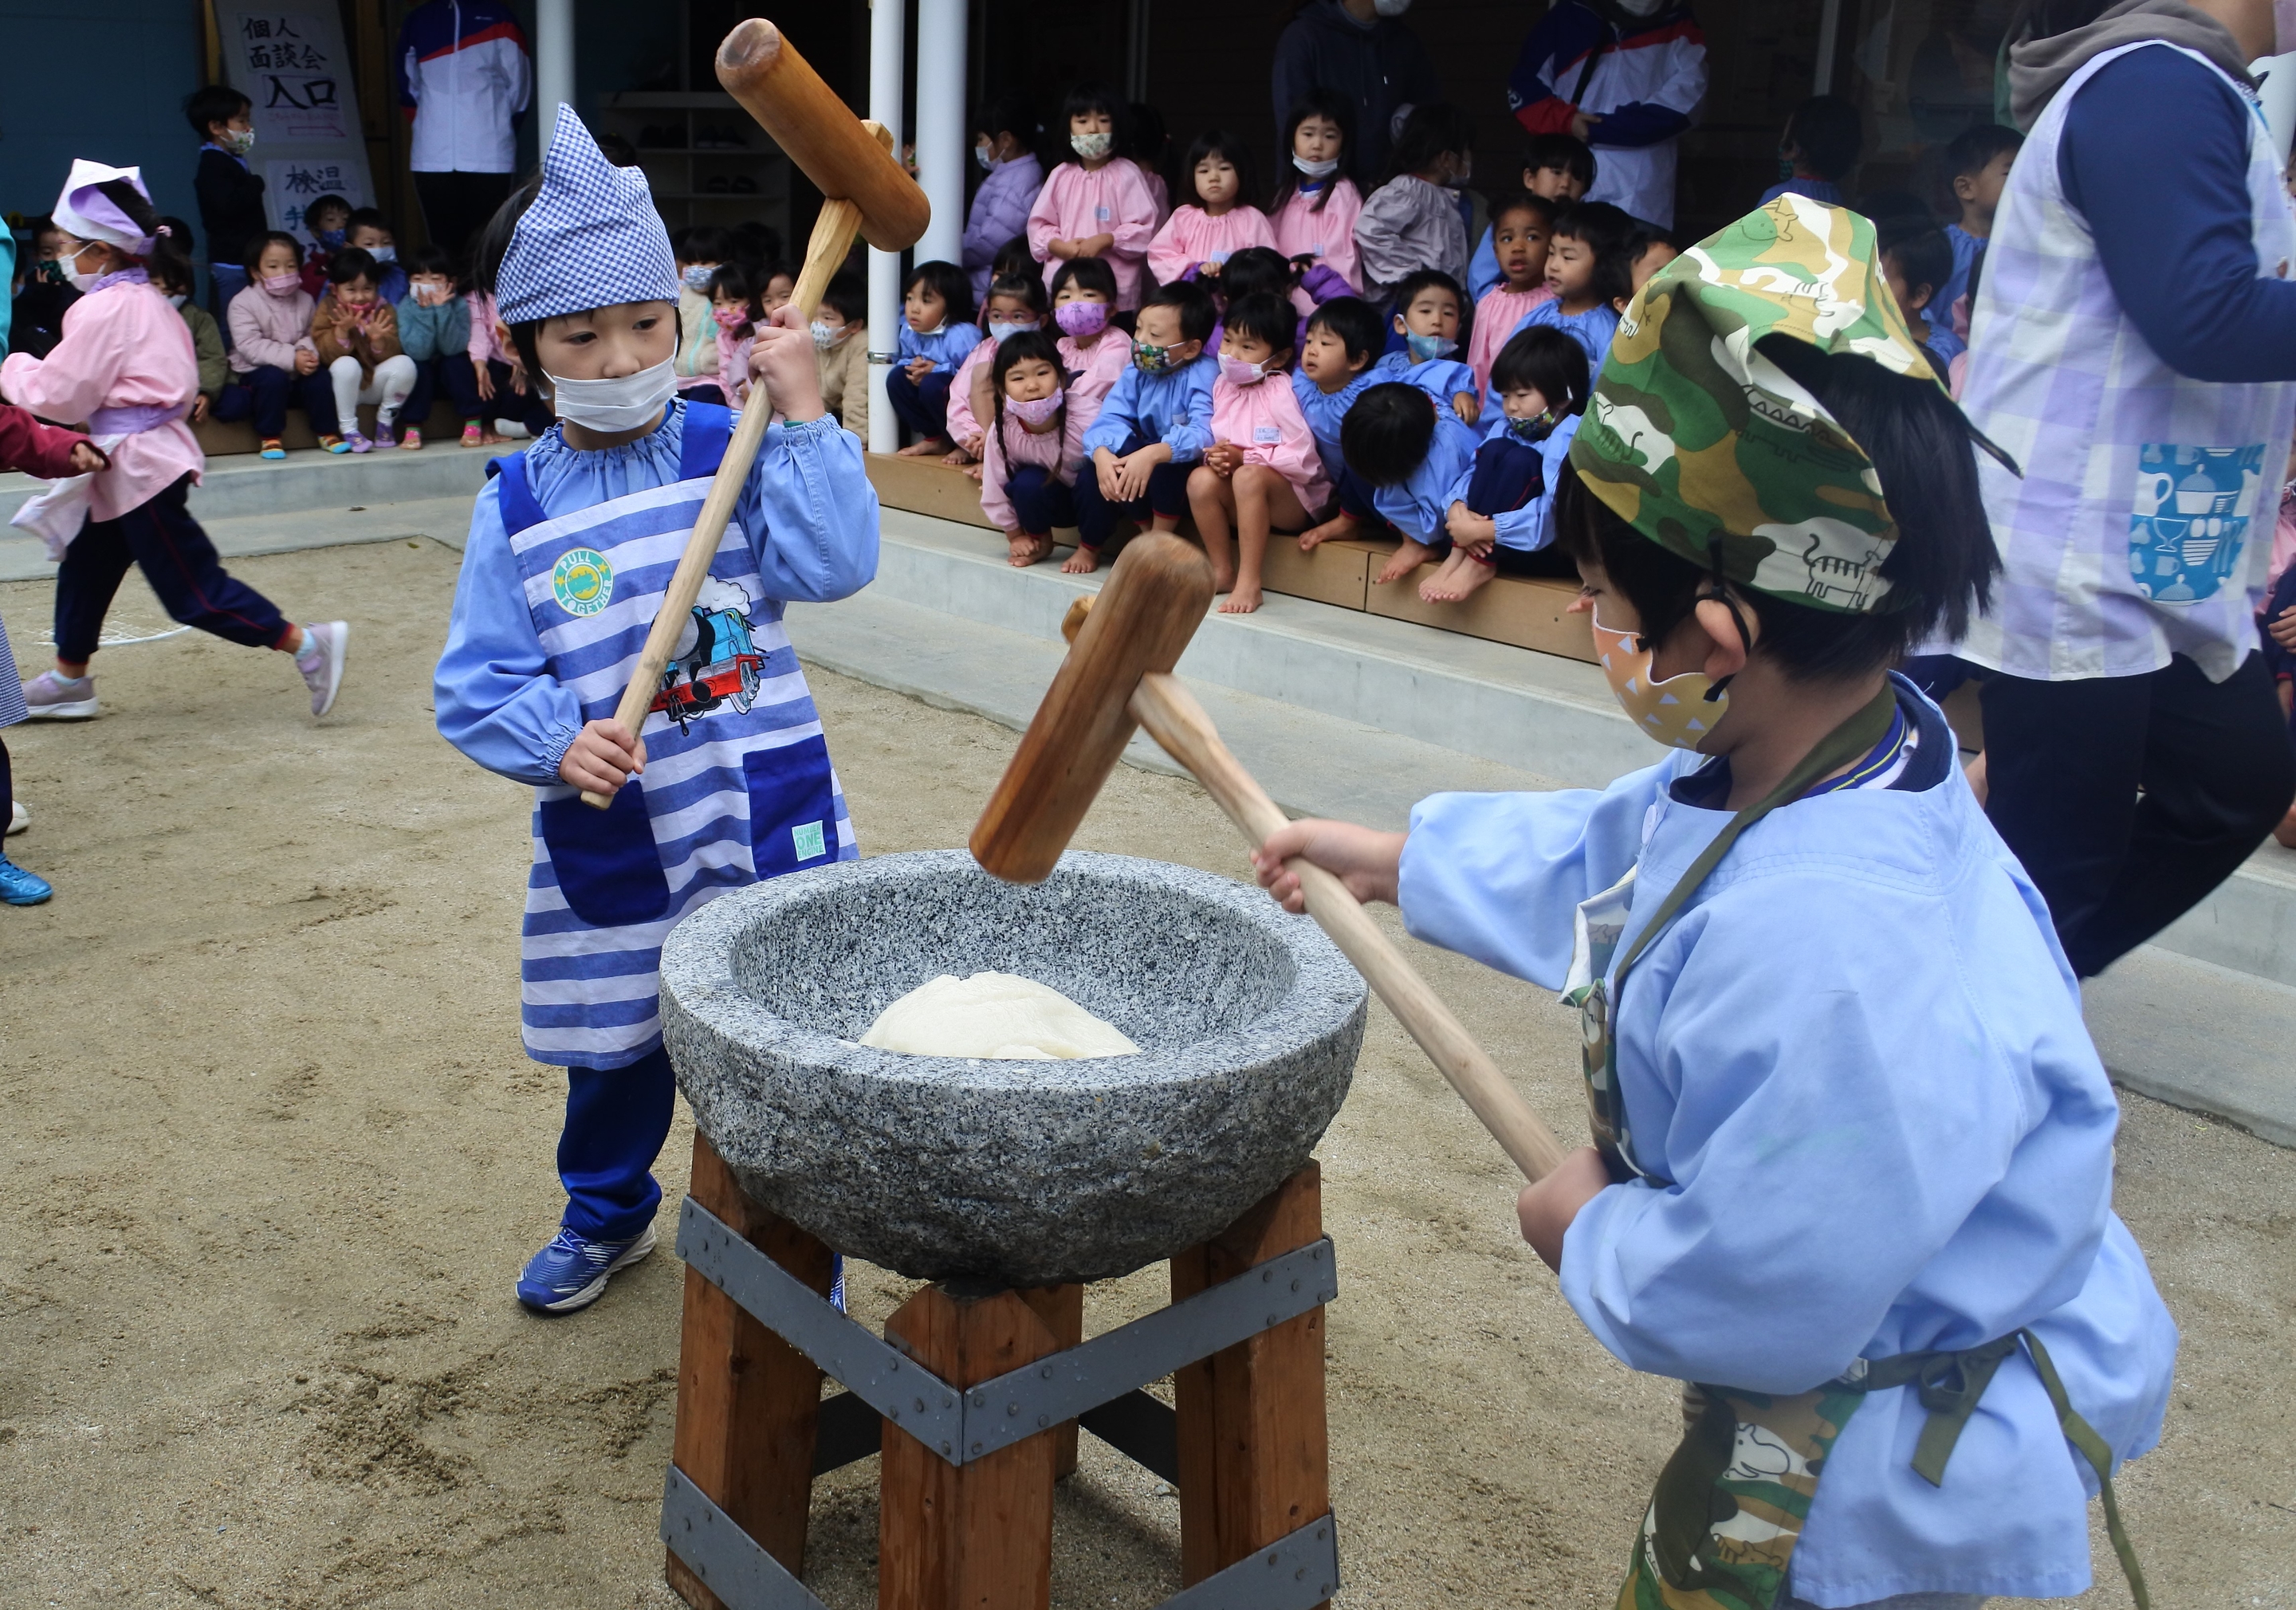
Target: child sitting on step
1342, 340
1014, 304
1428, 309
1502, 506
1403, 453
272, 361
937, 334
357, 334
1262, 472
1154, 426
570, 550
1031, 448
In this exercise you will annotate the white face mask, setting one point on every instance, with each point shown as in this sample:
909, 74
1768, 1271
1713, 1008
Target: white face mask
1317, 170
608, 407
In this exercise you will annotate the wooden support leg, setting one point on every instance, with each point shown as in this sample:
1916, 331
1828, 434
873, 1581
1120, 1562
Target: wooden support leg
748, 1402
1254, 1448
1062, 1309
979, 1536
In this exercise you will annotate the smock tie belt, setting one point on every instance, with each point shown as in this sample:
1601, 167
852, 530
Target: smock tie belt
134, 418
1950, 1384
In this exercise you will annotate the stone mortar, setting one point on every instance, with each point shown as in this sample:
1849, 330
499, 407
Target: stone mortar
1029, 1173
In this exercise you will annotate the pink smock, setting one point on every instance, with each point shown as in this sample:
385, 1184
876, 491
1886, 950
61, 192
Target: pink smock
1111, 200
1191, 235
1328, 235
1058, 451
1496, 317
1264, 420
124, 350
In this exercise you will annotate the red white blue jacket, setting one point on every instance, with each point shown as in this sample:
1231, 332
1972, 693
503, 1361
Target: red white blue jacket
462, 76
1649, 77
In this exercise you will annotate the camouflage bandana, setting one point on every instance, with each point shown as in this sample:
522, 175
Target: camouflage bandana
1713, 452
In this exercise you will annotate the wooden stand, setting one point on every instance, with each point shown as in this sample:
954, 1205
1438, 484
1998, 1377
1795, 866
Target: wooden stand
973, 1528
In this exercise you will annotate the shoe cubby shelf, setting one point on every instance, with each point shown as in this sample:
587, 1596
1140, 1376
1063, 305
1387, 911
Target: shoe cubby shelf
707, 161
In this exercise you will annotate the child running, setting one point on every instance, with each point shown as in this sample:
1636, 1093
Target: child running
1314, 213
1503, 505
1521, 224
1412, 221
1428, 309
1197, 240
1853, 1169
1262, 472
1096, 203
1589, 261
1031, 448
936, 332
1154, 426
126, 366
571, 546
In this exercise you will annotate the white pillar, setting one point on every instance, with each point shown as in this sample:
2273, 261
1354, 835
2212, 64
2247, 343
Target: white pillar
554, 62
942, 149
886, 61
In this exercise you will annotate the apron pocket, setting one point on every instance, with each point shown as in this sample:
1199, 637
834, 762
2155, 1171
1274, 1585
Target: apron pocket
607, 865
792, 811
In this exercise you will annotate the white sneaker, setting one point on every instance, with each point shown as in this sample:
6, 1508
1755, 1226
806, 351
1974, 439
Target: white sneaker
512, 431
49, 697
18, 818
321, 662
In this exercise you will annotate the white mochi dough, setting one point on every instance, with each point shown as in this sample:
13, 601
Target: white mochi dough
1001, 1016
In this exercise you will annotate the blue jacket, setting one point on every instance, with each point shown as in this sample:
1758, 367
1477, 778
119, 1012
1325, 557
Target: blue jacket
1175, 408
1324, 411
946, 347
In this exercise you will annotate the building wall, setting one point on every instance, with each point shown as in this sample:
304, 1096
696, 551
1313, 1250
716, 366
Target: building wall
103, 80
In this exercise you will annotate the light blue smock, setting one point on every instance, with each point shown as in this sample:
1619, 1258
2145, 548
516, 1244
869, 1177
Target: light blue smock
1531, 528
948, 347
1175, 409
1858, 1054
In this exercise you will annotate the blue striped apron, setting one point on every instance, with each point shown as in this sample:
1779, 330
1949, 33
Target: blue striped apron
737, 786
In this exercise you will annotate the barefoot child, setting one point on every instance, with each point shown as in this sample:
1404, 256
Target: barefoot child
1197, 240
1031, 446
1262, 472
936, 332
1428, 308
1342, 340
570, 549
1853, 1174
126, 366
1014, 304
1521, 224
1402, 458
1154, 426
1589, 259
1314, 214
1502, 507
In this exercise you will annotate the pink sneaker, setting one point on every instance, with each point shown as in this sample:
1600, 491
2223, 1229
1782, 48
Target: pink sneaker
473, 436
411, 439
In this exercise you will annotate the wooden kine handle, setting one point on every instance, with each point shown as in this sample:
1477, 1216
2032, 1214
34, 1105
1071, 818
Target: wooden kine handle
834, 232
1174, 719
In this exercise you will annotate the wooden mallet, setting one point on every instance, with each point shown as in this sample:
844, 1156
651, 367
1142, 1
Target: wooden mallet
1117, 675
850, 162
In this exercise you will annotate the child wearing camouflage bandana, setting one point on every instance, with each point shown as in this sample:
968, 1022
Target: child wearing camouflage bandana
1853, 1165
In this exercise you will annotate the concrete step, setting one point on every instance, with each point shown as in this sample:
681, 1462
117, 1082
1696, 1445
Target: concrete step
243, 485
2184, 1031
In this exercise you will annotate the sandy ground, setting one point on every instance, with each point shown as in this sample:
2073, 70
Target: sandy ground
273, 1158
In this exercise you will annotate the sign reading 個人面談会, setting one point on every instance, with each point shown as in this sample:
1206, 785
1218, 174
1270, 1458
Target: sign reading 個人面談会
292, 66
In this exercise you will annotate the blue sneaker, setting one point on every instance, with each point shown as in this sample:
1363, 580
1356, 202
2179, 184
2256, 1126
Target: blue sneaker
20, 887
571, 1272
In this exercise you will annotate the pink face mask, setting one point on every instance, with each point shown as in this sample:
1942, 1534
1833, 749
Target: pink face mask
1038, 413
283, 284
1081, 319
730, 318
1237, 372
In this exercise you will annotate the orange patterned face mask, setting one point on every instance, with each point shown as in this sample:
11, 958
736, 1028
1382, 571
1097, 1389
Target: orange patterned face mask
1677, 712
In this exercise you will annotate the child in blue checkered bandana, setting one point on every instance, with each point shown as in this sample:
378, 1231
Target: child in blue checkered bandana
571, 548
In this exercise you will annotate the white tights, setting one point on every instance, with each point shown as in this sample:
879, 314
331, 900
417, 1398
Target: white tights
394, 378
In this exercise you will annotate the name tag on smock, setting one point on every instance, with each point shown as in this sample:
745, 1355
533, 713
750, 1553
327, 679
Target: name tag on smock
1266, 435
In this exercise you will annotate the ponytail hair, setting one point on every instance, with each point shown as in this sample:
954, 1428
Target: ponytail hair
169, 260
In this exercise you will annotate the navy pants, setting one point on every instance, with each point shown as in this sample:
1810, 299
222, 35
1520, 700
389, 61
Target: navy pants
460, 377
263, 392
1097, 516
1039, 500
616, 1121
1508, 474
2064, 764
163, 540
922, 405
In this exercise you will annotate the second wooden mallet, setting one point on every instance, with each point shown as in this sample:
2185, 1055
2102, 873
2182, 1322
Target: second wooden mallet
1117, 676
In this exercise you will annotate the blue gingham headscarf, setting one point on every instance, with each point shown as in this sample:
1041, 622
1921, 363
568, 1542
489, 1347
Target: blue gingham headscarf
591, 239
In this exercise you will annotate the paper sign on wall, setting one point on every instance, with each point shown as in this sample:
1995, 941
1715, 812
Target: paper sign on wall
292, 66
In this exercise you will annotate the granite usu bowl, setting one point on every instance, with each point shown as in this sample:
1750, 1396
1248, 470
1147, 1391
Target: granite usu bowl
1029, 1173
